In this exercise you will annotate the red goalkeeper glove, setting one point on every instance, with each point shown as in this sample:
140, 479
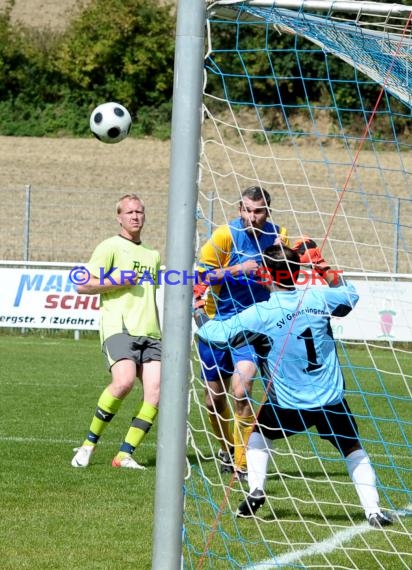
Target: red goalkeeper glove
199, 303
199, 291
309, 253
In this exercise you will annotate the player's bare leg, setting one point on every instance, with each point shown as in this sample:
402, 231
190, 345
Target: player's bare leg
123, 379
242, 382
144, 416
220, 417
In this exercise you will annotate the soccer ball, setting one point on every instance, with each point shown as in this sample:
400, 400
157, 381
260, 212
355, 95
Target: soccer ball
110, 122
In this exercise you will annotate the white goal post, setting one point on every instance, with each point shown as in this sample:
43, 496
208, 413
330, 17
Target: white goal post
310, 100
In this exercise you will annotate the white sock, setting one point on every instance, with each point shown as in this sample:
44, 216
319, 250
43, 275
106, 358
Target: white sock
364, 478
257, 456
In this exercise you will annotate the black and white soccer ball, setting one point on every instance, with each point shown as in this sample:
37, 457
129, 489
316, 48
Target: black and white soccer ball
110, 122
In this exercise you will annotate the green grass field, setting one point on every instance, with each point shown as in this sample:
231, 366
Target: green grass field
54, 516
307, 522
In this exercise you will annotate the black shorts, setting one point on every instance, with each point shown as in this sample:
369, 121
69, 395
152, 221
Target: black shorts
123, 346
334, 423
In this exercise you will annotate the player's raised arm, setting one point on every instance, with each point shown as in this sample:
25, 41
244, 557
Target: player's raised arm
310, 254
345, 298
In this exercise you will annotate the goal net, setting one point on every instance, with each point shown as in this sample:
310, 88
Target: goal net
312, 101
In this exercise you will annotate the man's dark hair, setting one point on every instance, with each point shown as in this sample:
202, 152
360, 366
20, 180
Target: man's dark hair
283, 264
256, 193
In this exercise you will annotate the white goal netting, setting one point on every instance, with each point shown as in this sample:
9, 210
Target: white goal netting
314, 105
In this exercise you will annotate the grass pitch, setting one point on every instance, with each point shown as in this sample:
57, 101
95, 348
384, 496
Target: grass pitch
312, 517
54, 516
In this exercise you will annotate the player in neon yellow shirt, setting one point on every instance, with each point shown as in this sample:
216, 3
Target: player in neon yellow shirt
124, 272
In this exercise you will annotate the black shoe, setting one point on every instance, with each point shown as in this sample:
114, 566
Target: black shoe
379, 520
226, 460
251, 504
240, 476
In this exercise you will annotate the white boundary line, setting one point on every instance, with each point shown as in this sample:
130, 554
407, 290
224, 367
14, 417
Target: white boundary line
324, 547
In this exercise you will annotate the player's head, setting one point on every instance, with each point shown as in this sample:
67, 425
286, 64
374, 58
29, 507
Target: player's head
256, 193
254, 208
130, 215
121, 202
283, 265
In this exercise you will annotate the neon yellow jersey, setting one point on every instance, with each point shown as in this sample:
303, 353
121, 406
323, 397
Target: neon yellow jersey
133, 310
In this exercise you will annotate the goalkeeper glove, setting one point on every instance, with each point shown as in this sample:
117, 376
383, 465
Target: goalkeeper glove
199, 291
199, 315
310, 254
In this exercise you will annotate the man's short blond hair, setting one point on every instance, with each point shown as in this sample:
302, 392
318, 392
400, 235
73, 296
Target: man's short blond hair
128, 197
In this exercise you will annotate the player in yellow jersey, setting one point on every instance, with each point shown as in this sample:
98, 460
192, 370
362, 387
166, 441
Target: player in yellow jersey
229, 262
124, 271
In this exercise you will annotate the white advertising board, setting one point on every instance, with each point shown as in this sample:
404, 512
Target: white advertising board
46, 298
383, 312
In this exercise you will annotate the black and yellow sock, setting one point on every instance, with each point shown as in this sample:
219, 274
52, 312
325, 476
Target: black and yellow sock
140, 426
242, 430
107, 407
222, 428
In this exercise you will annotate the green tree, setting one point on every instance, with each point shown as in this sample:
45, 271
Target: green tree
112, 50
119, 50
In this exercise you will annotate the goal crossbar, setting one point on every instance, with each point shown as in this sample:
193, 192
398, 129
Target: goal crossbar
338, 5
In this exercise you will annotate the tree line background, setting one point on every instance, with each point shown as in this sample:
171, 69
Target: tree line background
123, 50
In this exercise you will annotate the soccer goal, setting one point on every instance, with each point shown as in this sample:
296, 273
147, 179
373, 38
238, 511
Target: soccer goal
312, 101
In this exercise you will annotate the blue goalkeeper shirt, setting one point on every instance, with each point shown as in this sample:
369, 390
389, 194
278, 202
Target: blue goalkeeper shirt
292, 330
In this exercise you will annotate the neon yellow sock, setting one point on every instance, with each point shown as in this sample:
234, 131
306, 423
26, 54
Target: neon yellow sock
221, 426
107, 407
140, 426
241, 433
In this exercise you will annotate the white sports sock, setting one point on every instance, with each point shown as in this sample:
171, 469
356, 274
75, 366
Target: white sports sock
364, 478
257, 456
